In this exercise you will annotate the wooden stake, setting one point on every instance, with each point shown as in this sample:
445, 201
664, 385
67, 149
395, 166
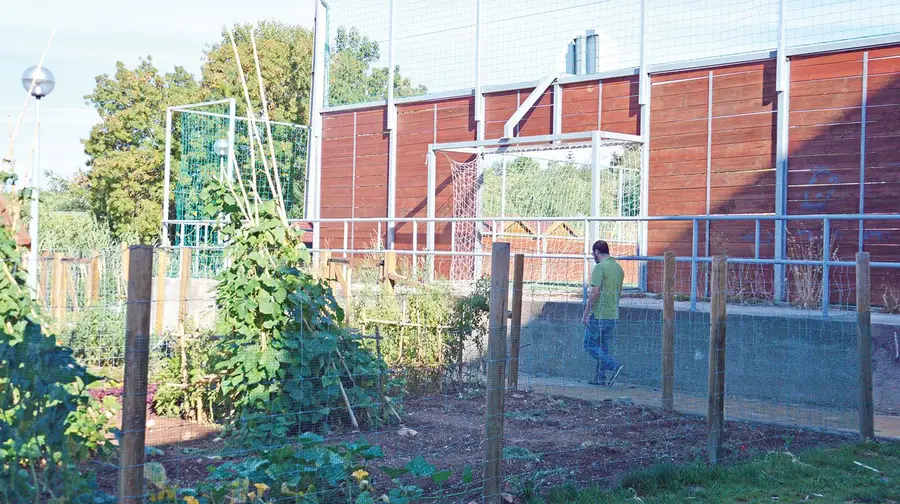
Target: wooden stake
137, 350
715, 419
57, 292
185, 279
668, 333
125, 264
515, 327
493, 456
45, 266
346, 399
864, 343
162, 266
70, 287
94, 277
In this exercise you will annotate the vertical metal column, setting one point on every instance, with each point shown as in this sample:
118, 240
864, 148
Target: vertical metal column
432, 175
644, 102
317, 102
782, 87
167, 176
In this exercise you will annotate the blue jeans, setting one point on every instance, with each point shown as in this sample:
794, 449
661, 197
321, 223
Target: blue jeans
597, 334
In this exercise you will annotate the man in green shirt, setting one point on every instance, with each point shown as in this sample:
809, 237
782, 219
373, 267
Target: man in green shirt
601, 313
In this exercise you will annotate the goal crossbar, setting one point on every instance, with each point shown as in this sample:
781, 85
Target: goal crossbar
468, 146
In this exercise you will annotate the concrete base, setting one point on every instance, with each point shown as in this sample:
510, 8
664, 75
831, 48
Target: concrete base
780, 357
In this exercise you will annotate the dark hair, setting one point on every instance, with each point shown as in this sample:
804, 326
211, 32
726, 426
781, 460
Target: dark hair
601, 247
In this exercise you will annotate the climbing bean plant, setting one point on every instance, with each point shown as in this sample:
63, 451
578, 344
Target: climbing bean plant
286, 360
48, 424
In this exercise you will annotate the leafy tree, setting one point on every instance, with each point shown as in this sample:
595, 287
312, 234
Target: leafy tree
125, 149
285, 58
350, 79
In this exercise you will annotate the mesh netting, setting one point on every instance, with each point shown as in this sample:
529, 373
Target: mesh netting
542, 185
465, 204
199, 164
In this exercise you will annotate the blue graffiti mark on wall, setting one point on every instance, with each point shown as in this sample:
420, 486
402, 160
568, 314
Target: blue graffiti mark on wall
765, 237
816, 199
876, 235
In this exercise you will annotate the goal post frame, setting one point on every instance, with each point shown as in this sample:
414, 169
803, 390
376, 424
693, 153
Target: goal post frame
593, 139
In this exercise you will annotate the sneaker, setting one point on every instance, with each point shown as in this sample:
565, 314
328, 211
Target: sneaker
615, 375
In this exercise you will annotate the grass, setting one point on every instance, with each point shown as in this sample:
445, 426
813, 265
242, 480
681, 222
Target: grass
825, 476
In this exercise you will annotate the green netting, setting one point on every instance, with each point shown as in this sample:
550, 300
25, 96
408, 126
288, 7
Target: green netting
199, 164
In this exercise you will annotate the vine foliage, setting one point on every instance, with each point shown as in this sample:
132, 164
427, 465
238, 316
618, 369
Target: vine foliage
48, 424
286, 360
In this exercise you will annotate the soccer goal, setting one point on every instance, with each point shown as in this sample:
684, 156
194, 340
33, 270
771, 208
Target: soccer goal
550, 197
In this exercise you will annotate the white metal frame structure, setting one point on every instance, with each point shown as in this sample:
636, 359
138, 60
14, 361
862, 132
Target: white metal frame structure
593, 140
781, 52
311, 196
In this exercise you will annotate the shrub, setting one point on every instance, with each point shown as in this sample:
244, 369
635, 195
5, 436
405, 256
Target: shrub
97, 336
48, 424
425, 329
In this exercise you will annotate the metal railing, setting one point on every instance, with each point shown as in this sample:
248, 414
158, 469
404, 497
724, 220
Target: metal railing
778, 259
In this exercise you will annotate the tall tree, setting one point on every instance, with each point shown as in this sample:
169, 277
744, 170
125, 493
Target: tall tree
350, 78
285, 59
125, 150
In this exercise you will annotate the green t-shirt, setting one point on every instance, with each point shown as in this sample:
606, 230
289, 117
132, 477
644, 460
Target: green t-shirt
607, 275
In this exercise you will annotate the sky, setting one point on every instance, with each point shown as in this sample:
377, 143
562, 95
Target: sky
522, 40
91, 36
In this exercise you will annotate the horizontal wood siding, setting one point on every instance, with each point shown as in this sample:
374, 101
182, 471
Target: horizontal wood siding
736, 136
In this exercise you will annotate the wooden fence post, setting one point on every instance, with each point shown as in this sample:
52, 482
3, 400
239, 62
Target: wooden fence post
42, 286
184, 282
137, 350
125, 264
668, 333
162, 266
515, 324
70, 287
493, 456
57, 289
94, 277
715, 418
864, 343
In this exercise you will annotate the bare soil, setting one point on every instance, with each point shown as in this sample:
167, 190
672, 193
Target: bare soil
549, 441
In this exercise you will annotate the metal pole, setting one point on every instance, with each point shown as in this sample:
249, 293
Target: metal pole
826, 256
644, 102
317, 101
595, 184
415, 246
35, 191
392, 58
432, 175
167, 174
694, 247
479, 98
862, 148
782, 80
503, 188
232, 115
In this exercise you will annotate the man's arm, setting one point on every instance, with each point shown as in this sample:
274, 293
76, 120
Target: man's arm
592, 298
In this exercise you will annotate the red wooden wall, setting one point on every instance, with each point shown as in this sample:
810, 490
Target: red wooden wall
713, 127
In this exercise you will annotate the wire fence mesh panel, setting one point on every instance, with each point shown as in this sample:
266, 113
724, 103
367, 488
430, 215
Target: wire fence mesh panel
520, 43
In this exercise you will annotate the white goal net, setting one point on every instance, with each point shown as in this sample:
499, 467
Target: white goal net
548, 190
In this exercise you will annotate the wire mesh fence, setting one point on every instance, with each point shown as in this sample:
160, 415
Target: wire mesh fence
514, 43
448, 391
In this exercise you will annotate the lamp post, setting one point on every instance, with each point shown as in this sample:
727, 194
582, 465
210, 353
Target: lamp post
39, 82
220, 147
